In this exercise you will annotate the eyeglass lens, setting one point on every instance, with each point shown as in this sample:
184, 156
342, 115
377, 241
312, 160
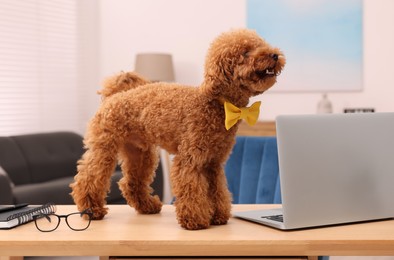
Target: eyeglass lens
76, 221
47, 222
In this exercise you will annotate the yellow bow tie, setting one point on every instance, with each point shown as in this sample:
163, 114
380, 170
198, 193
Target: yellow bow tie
233, 114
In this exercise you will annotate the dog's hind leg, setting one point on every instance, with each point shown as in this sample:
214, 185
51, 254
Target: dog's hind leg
138, 167
92, 183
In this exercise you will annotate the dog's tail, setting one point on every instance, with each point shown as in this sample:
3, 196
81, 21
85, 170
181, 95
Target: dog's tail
121, 82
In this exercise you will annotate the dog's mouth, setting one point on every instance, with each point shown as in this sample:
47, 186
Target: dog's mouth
269, 72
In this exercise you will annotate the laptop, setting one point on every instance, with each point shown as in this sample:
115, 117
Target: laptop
334, 169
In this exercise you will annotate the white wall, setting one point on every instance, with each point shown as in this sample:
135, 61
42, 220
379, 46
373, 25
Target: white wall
186, 28
183, 28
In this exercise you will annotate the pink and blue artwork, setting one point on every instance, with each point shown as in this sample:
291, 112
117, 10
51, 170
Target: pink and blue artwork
321, 39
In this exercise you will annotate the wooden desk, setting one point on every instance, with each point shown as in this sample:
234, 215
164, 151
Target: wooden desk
126, 233
261, 128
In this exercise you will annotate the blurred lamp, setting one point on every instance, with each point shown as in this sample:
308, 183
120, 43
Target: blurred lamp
155, 66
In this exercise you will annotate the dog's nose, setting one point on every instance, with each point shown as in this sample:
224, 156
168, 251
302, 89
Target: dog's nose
275, 56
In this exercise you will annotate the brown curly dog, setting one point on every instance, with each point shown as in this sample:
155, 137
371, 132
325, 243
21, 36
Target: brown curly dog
137, 116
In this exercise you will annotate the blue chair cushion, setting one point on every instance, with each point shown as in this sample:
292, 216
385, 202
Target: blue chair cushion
252, 171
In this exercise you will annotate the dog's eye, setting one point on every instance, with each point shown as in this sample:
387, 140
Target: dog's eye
246, 54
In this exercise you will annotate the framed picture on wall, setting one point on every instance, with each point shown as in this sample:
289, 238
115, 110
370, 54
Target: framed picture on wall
321, 39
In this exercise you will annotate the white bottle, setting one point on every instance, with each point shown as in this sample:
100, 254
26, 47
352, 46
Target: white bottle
324, 106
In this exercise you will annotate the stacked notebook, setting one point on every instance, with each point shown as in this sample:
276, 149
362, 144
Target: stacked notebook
15, 215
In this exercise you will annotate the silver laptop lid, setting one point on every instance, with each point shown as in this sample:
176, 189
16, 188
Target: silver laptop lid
336, 168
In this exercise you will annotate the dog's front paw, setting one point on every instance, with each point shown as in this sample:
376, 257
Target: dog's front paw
219, 220
221, 217
193, 219
191, 224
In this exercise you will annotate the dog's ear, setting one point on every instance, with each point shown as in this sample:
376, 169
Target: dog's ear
211, 87
221, 63
218, 74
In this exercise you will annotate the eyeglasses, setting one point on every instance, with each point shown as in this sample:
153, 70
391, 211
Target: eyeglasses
77, 221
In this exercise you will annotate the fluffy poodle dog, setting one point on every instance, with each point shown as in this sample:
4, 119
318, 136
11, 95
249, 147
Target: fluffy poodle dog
137, 116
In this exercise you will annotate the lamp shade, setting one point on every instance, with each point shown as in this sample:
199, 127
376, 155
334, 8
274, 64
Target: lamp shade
155, 66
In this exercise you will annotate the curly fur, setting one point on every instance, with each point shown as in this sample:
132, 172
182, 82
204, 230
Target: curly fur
137, 116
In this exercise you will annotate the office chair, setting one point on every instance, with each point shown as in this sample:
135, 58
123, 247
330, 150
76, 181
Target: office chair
252, 172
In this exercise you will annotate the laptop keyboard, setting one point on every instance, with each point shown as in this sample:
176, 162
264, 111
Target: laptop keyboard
278, 218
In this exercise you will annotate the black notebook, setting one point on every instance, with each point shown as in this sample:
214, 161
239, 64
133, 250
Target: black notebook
13, 218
